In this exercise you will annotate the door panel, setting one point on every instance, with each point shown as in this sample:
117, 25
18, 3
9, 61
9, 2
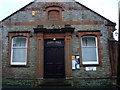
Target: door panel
54, 60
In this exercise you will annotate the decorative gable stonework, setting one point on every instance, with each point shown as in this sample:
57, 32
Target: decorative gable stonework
56, 32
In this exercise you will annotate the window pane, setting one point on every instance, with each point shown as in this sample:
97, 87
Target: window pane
19, 42
84, 42
91, 41
89, 54
19, 55
88, 41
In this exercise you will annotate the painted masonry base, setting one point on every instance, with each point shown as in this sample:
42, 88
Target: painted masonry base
68, 83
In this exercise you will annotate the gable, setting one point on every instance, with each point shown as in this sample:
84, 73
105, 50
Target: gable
72, 7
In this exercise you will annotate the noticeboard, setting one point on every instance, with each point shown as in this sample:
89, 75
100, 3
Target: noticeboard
73, 62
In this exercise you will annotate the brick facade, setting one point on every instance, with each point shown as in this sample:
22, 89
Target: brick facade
81, 18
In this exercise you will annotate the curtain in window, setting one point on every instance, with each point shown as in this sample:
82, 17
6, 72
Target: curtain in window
19, 49
89, 49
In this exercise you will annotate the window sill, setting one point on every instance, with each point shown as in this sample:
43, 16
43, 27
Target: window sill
19, 63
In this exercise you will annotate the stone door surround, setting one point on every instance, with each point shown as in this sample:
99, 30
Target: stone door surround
42, 34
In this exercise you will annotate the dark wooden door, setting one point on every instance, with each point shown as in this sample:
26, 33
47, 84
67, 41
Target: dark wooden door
54, 59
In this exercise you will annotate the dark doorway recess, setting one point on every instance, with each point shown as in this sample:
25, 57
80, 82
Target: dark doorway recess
54, 66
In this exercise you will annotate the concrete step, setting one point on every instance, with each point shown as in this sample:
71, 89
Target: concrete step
55, 83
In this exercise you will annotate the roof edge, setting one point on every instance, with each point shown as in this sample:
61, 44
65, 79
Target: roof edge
114, 24
16, 11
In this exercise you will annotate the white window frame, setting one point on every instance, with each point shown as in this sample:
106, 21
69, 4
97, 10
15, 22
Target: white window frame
18, 63
90, 62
